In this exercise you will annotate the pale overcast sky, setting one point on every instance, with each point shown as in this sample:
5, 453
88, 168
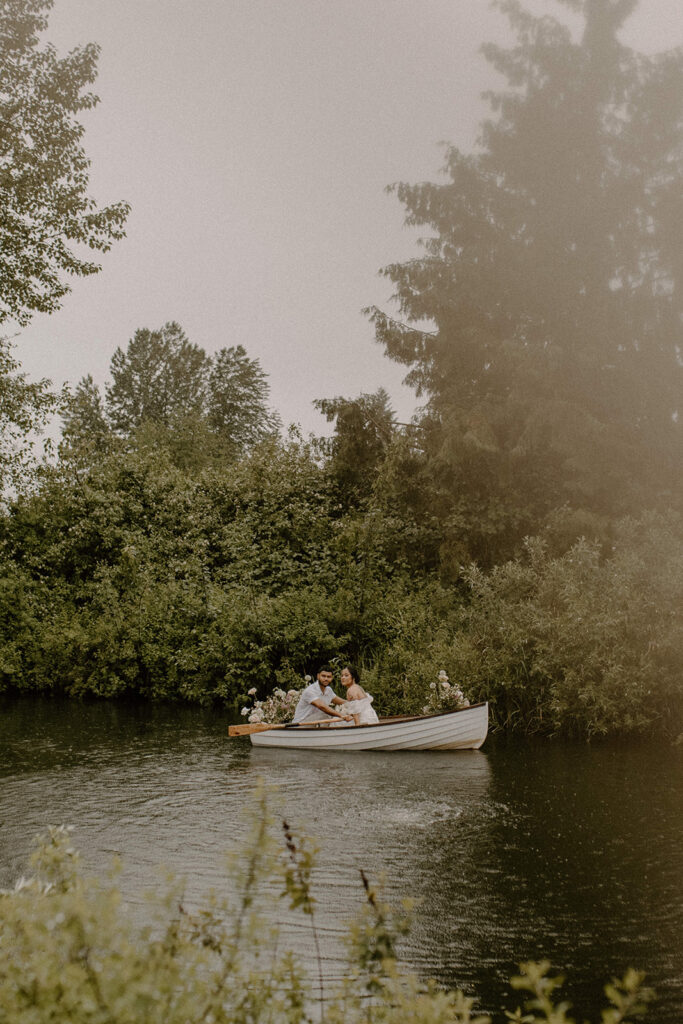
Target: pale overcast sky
254, 139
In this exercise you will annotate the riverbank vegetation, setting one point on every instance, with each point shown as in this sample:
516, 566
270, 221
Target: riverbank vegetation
71, 952
522, 533
135, 576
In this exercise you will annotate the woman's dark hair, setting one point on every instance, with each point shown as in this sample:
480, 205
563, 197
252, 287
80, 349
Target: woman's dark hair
354, 672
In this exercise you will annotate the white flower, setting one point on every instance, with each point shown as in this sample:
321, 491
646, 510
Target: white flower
256, 716
252, 691
292, 693
307, 679
443, 675
425, 709
279, 694
432, 686
446, 685
244, 712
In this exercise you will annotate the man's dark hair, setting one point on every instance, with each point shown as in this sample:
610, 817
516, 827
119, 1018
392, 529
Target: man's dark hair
325, 668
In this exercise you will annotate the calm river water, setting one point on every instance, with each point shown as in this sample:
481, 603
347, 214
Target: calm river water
567, 851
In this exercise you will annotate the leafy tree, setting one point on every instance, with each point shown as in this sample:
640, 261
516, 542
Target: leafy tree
364, 428
160, 378
554, 283
237, 399
25, 407
85, 424
46, 210
167, 391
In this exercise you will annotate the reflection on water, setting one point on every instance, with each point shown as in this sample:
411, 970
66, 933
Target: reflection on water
514, 852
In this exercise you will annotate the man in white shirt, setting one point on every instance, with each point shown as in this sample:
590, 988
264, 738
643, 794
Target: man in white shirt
314, 702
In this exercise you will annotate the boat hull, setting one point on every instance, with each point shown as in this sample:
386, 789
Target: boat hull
464, 729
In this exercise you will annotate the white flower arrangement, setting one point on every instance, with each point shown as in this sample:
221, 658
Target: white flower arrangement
278, 707
444, 696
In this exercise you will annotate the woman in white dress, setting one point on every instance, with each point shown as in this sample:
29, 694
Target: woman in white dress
358, 703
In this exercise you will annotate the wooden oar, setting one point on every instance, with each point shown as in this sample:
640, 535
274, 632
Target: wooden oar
246, 730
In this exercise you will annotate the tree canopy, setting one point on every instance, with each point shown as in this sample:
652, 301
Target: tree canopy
552, 283
237, 399
161, 377
25, 407
165, 389
47, 218
364, 429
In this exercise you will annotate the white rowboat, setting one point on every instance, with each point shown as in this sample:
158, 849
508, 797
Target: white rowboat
464, 729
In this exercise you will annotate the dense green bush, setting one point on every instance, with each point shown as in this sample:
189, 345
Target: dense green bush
588, 642
71, 954
134, 576
580, 643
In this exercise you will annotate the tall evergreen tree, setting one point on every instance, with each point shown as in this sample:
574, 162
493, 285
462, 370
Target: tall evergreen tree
553, 278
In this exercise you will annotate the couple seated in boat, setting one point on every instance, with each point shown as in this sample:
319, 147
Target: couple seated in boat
319, 702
